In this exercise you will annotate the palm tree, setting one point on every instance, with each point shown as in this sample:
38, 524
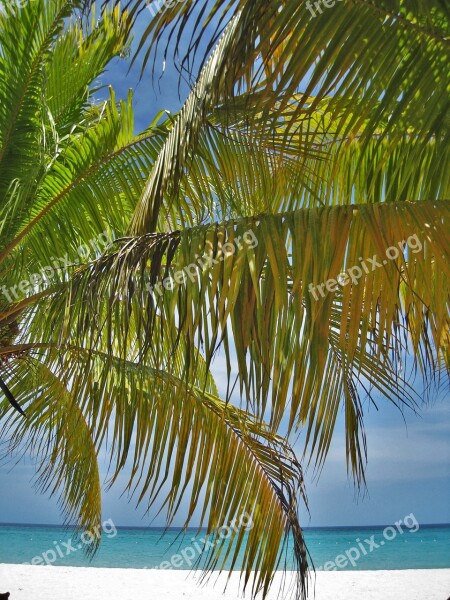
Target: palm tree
308, 147
71, 171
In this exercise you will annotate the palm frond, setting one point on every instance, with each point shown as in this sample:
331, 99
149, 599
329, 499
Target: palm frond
24, 50
183, 136
169, 434
298, 162
376, 84
57, 437
256, 281
56, 93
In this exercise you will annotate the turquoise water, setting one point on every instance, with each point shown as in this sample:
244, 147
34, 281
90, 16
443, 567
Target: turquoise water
427, 547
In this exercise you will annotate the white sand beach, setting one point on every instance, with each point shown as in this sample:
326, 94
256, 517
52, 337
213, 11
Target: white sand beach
68, 583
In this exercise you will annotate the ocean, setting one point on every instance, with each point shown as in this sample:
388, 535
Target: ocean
339, 548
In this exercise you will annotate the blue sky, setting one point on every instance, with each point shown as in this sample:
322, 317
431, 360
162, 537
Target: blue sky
409, 455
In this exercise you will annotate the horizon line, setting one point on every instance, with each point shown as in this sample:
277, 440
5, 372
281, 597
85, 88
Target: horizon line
197, 528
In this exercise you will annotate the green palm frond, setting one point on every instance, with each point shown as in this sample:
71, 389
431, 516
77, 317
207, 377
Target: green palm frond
25, 74
56, 436
356, 51
242, 167
183, 136
377, 84
78, 58
31, 189
302, 162
264, 295
171, 434
94, 185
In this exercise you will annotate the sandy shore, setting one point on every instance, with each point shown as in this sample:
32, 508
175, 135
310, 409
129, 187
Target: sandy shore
67, 583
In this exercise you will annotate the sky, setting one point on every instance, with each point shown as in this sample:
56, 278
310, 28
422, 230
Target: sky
408, 467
